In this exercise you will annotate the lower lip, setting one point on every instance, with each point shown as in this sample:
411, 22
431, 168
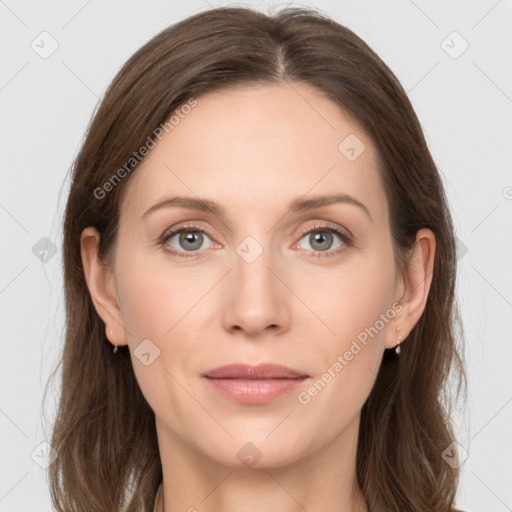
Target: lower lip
255, 391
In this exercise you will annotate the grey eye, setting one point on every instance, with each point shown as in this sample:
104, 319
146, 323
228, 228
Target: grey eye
320, 240
188, 240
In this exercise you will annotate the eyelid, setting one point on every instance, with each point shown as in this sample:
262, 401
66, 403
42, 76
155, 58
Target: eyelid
326, 225
187, 226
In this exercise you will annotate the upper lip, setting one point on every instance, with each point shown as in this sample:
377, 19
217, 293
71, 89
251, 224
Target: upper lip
261, 371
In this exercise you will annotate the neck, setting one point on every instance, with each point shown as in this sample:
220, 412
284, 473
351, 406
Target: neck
324, 480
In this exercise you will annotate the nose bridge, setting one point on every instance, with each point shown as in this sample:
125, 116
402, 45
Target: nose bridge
255, 298
251, 267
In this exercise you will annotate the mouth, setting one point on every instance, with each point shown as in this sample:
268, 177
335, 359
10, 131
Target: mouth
254, 384
261, 371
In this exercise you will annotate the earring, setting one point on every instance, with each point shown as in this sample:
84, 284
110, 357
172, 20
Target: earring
397, 349
115, 347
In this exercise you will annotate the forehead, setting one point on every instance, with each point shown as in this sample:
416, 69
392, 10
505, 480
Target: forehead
251, 145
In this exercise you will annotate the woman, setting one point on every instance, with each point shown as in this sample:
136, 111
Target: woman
295, 356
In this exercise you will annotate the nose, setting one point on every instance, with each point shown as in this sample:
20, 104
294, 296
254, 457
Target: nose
255, 297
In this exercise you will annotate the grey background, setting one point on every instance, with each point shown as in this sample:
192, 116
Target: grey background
463, 100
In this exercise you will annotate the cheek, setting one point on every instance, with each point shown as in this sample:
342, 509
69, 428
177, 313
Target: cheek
154, 302
160, 308
347, 301
356, 307
353, 312
152, 295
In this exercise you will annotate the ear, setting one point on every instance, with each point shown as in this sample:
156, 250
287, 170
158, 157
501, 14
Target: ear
415, 285
101, 284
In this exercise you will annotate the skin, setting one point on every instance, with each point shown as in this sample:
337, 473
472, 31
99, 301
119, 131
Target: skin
253, 150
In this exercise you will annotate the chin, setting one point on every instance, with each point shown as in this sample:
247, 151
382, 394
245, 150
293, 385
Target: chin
258, 451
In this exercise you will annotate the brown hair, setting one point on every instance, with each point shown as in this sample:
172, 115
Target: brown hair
104, 432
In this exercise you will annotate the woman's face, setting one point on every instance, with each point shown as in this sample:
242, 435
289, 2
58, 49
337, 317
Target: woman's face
252, 281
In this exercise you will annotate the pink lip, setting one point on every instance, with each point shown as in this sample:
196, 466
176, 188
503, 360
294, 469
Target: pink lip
261, 371
254, 384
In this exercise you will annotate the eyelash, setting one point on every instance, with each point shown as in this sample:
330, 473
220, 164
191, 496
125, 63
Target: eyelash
345, 237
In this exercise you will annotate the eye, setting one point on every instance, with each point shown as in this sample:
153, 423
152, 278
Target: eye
186, 239
320, 240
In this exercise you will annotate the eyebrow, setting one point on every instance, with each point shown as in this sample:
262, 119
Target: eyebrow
297, 205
